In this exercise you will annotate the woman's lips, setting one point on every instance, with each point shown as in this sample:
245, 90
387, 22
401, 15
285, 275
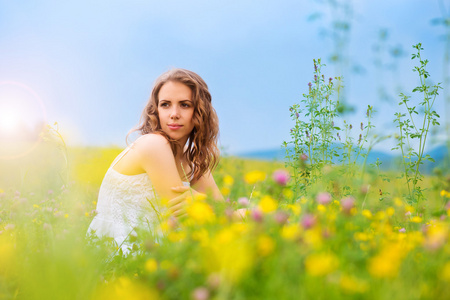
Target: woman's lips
174, 126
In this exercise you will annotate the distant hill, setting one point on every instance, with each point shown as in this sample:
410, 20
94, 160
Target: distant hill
389, 161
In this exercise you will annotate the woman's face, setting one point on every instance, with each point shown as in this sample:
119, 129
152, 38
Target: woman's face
175, 110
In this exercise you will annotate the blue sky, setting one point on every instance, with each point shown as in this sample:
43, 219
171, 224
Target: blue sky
93, 63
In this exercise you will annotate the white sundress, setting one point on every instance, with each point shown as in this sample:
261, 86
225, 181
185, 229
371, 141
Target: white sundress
126, 202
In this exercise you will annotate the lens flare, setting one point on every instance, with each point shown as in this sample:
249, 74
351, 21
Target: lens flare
22, 119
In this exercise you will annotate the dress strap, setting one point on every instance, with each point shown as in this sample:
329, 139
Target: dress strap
119, 157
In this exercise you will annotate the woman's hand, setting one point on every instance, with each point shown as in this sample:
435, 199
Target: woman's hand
177, 205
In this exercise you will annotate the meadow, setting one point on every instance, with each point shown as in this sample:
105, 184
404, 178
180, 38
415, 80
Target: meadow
322, 225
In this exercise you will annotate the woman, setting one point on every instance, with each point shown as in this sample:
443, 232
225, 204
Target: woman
177, 148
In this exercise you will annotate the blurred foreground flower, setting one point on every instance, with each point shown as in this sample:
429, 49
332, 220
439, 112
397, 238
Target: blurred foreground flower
323, 198
281, 177
254, 177
321, 264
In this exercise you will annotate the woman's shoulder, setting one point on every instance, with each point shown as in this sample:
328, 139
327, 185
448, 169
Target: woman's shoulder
151, 142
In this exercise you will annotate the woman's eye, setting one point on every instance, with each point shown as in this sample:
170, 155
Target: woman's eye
185, 105
164, 104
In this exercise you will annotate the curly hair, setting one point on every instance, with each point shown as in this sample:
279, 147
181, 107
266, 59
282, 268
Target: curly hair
201, 152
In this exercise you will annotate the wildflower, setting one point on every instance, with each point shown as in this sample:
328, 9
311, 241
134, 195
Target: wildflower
151, 265
362, 126
297, 115
254, 177
1, 191
308, 221
281, 177
243, 201
390, 211
315, 78
350, 127
323, 198
330, 79
416, 219
267, 204
303, 157
225, 191
200, 293
309, 85
347, 204
200, 212
47, 226
321, 264
360, 138
338, 136
353, 285
436, 236
386, 264
290, 232
366, 213
256, 215
265, 245
307, 134
228, 180
402, 230
281, 217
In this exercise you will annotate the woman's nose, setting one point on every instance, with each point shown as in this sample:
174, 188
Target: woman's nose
174, 113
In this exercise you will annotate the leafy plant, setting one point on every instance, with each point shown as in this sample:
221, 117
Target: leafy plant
413, 130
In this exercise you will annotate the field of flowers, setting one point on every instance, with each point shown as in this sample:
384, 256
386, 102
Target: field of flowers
322, 245
323, 225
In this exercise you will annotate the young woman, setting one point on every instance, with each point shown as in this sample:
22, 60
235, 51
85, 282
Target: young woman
177, 148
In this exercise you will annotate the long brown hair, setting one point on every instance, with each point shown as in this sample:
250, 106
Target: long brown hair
201, 151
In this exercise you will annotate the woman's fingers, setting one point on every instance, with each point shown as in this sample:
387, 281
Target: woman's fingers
180, 189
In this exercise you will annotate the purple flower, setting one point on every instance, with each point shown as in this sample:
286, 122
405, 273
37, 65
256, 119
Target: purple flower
257, 215
281, 177
297, 115
200, 293
347, 204
323, 198
308, 221
243, 201
281, 217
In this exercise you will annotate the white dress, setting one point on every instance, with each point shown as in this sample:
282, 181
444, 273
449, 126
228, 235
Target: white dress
126, 202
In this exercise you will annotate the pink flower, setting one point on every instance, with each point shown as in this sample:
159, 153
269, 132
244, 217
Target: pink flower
257, 215
347, 204
308, 221
303, 157
200, 293
403, 230
281, 177
281, 217
323, 198
243, 201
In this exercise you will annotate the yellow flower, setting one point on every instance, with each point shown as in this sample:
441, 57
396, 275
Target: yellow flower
267, 204
390, 211
444, 193
296, 208
225, 191
66, 216
416, 219
290, 232
410, 208
386, 263
151, 265
176, 236
287, 193
228, 180
321, 264
35, 206
1, 191
86, 214
254, 177
321, 208
366, 213
353, 285
398, 202
362, 236
125, 288
200, 212
265, 245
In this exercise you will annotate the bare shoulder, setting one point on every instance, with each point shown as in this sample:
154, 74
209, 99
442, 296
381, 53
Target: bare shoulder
151, 143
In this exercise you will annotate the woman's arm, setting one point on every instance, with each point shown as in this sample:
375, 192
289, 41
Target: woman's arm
207, 185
